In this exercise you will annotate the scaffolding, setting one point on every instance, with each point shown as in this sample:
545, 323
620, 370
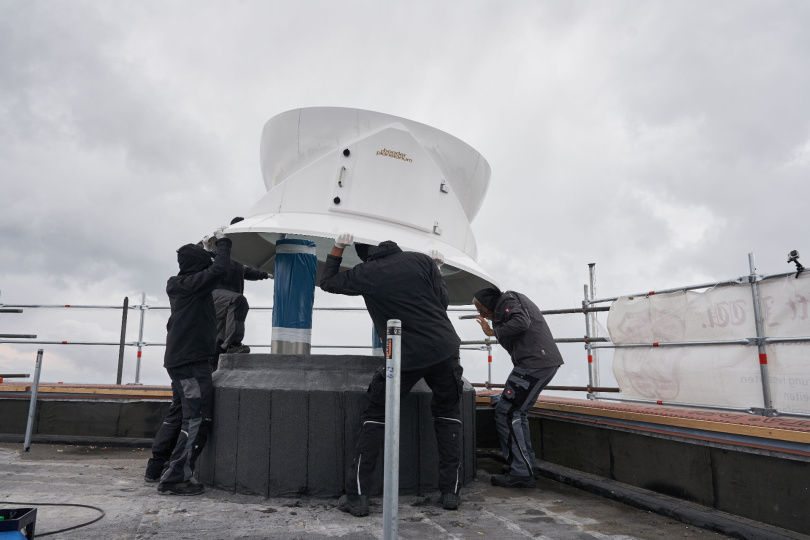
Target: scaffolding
592, 341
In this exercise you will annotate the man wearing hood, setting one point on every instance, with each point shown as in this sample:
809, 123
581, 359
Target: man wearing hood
190, 346
523, 332
407, 286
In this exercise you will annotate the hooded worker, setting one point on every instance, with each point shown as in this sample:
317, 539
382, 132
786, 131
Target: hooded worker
190, 346
523, 332
408, 286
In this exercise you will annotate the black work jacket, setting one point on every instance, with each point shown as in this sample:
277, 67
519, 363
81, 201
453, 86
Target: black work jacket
237, 274
192, 327
402, 285
523, 332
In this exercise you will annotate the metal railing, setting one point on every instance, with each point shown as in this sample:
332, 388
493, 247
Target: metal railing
143, 308
592, 342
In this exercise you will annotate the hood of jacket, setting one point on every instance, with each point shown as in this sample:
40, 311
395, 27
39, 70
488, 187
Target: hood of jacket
389, 247
192, 259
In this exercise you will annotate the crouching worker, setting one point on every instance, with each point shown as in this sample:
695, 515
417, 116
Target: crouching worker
523, 332
231, 305
407, 286
190, 346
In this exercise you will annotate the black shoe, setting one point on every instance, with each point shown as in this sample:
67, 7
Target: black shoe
509, 481
535, 471
237, 348
356, 505
450, 501
180, 488
151, 479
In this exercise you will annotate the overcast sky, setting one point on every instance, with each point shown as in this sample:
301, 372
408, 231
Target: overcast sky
663, 141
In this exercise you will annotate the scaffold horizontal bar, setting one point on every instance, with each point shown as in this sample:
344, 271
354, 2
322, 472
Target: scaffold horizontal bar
558, 388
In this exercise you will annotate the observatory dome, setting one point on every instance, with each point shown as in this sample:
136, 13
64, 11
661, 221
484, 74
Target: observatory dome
330, 170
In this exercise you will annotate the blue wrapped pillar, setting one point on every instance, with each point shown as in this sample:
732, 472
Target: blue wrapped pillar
294, 296
376, 343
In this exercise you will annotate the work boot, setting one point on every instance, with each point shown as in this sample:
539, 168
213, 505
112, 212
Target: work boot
450, 501
180, 488
535, 471
356, 505
509, 481
237, 348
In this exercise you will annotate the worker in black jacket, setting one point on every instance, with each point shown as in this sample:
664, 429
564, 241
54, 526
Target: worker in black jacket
190, 345
523, 332
231, 305
407, 286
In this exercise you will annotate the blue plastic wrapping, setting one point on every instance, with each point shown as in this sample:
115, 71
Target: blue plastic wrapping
294, 284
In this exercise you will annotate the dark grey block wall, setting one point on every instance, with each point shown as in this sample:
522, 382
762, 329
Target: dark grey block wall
84, 418
286, 425
766, 488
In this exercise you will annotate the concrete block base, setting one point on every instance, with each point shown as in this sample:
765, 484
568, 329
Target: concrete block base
286, 425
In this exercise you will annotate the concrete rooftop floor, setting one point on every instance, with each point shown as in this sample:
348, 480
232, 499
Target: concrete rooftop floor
112, 479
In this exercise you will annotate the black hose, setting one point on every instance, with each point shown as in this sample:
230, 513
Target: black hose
60, 504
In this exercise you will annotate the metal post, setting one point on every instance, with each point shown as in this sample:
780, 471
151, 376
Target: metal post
588, 344
140, 340
489, 361
123, 338
594, 329
763, 358
33, 406
391, 455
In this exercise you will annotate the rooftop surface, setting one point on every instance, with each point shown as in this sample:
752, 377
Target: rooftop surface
111, 479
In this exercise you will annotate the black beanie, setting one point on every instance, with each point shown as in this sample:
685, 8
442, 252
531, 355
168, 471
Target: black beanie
488, 297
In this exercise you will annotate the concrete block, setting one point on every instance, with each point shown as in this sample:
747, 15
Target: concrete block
573, 445
226, 426
311, 407
670, 467
765, 488
253, 441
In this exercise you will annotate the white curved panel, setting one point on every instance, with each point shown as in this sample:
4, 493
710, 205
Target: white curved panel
380, 177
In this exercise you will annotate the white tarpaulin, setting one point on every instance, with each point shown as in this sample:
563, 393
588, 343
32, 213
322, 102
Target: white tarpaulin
727, 375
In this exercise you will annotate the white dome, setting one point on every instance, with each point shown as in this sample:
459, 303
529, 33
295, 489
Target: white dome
330, 170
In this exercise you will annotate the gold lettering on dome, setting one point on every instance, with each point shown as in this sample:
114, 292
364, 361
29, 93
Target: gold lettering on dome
396, 155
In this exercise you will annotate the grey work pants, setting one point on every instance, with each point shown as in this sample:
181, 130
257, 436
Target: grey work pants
519, 394
232, 309
195, 390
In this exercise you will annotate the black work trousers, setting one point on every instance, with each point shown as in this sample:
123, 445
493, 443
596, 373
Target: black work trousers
519, 394
183, 434
444, 380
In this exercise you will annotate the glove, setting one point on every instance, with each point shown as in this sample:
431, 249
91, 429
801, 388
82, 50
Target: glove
344, 240
209, 243
437, 257
266, 275
220, 232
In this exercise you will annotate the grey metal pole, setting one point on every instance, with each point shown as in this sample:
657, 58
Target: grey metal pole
588, 344
763, 357
594, 329
140, 340
489, 361
391, 456
33, 406
122, 345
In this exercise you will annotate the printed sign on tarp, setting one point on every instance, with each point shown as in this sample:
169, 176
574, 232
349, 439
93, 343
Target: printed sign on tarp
726, 375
